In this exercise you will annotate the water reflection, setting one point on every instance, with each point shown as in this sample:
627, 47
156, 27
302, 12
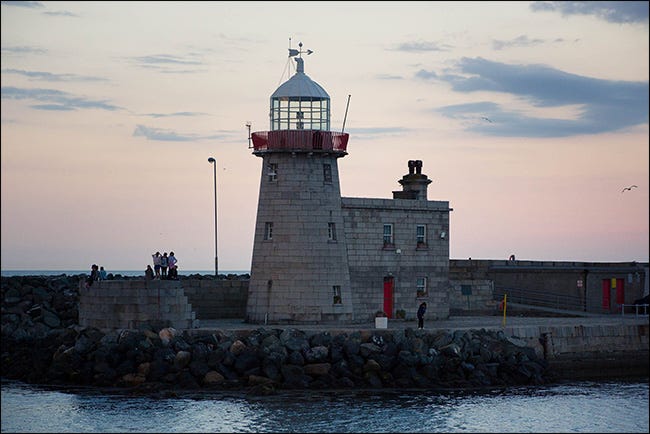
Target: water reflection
577, 407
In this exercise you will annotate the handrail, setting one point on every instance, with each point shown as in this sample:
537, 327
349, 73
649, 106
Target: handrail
300, 140
539, 298
636, 309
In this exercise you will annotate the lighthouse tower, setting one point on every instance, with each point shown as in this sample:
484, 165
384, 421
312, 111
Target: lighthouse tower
299, 269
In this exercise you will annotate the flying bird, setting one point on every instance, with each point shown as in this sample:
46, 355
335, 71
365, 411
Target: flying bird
628, 188
483, 117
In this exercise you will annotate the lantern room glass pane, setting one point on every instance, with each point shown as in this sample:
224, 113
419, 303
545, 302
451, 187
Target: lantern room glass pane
300, 113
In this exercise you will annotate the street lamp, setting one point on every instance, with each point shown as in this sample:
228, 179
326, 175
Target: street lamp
216, 261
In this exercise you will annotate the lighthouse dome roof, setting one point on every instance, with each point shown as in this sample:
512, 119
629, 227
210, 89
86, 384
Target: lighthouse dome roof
300, 85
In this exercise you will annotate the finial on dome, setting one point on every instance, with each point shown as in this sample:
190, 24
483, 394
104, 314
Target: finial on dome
300, 65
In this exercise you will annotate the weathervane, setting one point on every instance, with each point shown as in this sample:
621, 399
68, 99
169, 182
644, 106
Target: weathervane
293, 52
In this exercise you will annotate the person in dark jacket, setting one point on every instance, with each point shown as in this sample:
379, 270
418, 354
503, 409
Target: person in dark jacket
421, 311
94, 275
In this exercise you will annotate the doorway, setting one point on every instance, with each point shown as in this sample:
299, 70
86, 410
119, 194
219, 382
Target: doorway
389, 286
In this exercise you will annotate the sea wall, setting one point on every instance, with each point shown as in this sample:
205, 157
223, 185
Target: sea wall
584, 282
43, 342
596, 351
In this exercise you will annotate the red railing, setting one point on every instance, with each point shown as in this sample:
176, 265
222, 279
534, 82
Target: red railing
300, 140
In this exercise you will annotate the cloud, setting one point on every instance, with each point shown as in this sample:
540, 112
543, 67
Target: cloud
165, 59
604, 105
52, 107
55, 99
610, 11
389, 77
48, 76
519, 41
421, 46
161, 135
167, 115
22, 50
426, 75
373, 133
24, 4
166, 63
61, 14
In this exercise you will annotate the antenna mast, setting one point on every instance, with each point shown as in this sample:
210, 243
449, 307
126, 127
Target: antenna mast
346, 113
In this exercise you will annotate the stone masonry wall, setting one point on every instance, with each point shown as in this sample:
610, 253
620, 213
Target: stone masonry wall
214, 299
299, 262
128, 304
583, 341
580, 280
480, 301
405, 261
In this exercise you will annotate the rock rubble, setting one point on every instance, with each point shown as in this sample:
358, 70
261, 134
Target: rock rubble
43, 344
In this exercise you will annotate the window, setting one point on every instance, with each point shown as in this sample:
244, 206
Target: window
336, 299
268, 231
297, 113
421, 287
272, 172
421, 235
327, 173
388, 234
331, 231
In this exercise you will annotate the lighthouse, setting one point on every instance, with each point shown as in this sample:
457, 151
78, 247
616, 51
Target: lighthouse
299, 268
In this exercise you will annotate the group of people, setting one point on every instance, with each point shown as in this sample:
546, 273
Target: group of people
164, 267
96, 273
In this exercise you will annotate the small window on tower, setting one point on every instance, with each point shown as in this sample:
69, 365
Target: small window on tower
268, 231
327, 173
272, 172
331, 231
336, 299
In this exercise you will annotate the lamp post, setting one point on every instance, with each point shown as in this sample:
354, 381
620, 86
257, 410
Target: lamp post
216, 261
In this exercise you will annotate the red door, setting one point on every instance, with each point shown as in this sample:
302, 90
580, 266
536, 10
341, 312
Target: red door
388, 295
606, 289
620, 292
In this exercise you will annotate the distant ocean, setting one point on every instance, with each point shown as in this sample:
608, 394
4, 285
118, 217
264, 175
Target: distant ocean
130, 273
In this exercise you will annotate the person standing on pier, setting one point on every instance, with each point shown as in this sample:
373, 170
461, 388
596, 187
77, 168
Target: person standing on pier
164, 264
421, 311
156, 264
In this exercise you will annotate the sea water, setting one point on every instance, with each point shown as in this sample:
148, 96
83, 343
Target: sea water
604, 406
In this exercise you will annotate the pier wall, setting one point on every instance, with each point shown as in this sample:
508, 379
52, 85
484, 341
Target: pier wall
586, 284
217, 299
177, 303
590, 351
128, 304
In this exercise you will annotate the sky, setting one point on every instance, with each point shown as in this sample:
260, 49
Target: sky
530, 118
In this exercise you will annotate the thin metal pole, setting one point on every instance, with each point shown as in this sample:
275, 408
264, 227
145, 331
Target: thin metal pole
216, 260
346, 113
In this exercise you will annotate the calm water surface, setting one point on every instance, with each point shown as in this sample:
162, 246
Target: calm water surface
617, 406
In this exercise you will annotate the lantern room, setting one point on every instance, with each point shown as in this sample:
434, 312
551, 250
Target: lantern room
300, 103
300, 117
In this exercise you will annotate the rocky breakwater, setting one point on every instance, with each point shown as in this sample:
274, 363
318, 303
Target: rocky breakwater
265, 360
42, 343
36, 306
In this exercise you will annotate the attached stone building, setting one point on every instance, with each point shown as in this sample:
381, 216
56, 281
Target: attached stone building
398, 251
